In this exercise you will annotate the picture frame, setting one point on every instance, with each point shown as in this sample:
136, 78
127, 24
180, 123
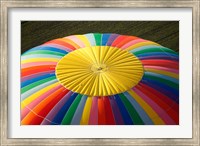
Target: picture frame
5, 5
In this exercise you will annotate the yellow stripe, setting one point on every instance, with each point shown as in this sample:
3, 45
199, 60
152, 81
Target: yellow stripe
29, 99
141, 44
174, 75
84, 40
86, 112
152, 114
39, 60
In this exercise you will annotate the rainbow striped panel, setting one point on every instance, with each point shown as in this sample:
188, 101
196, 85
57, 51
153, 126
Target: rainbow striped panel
153, 101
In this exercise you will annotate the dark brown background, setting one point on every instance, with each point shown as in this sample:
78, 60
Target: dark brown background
34, 33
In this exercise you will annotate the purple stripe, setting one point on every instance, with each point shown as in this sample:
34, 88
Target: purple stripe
55, 110
111, 39
36, 75
116, 111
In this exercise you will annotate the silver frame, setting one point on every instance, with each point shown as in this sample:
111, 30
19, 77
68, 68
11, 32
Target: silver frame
6, 4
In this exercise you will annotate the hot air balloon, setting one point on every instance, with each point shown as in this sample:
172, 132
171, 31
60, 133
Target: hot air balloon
100, 79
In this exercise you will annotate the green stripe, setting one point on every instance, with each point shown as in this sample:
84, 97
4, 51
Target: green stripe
162, 80
97, 39
70, 113
45, 52
30, 86
132, 112
150, 50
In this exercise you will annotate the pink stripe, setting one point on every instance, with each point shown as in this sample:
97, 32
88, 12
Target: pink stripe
31, 105
57, 46
38, 64
133, 42
165, 117
93, 120
162, 68
76, 40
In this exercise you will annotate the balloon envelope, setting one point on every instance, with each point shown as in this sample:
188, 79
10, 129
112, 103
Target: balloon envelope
100, 79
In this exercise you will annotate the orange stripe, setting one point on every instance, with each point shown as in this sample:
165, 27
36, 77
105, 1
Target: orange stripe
35, 112
36, 69
71, 43
62, 43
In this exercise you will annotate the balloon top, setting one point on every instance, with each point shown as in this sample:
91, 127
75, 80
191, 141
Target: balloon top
99, 71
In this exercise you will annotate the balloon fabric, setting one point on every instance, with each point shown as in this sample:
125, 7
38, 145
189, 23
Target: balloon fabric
100, 79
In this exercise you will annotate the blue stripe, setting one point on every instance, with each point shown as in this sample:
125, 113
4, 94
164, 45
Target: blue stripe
37, 88
158, 57
59, 117
126, 117
91, 39
164, 89
143, 115
79, 111
174, 80
157, 53
105, 38
32, 80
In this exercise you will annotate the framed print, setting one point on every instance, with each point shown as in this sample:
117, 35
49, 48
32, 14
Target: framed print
99, 73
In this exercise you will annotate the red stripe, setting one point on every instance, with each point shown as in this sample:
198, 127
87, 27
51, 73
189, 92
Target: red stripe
109, 114
62, 43
56, 98
118, 40
122, 41
101, 112
161, 96
161, 62
161, 100
36, 69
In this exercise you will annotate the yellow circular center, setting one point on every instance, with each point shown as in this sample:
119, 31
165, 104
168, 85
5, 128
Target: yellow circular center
99, 71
